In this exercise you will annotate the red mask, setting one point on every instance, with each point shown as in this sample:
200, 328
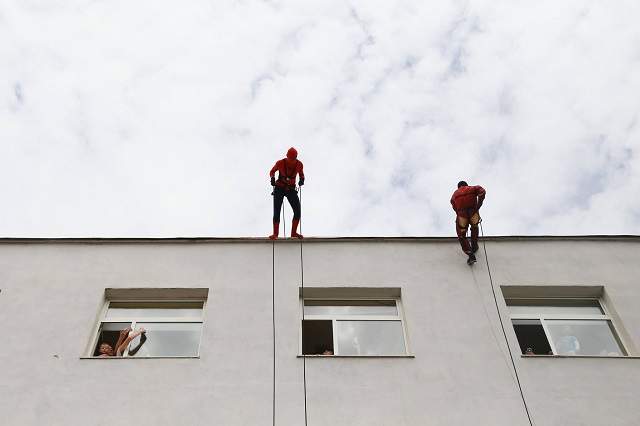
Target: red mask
292, 154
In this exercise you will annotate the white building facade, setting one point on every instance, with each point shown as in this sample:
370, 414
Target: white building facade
397, 332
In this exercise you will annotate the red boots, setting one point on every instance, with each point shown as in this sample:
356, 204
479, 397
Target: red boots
294, 229
276, 231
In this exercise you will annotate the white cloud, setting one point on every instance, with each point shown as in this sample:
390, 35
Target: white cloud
158, 119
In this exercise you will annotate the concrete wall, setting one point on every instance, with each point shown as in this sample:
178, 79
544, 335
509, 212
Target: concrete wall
461, 373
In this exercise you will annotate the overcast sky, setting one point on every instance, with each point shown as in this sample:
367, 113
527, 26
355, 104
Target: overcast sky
158, 118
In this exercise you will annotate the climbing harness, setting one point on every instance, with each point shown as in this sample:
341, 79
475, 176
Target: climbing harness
288, 178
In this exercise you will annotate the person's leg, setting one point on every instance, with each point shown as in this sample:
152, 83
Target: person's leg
462, 224
294, 201
474, 221
278, 197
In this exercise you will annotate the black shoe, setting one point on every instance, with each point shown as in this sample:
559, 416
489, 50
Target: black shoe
472, 259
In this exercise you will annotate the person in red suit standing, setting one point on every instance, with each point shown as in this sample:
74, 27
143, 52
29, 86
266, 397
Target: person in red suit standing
285, 186
466, 202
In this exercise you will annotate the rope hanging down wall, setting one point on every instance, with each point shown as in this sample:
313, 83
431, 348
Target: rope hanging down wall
495, 299
304, 357
273, 319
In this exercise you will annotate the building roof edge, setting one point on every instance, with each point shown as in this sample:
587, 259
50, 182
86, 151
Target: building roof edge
142, 240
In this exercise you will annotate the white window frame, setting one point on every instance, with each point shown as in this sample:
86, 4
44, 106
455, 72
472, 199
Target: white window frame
605, 316
335, 318
102, 319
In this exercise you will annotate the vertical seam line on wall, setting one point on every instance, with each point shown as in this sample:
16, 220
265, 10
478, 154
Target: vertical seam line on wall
273, 323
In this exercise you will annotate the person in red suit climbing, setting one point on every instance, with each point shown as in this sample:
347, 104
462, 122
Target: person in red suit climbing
466, 202
285, 186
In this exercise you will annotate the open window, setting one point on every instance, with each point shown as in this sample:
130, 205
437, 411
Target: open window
353, 327
146, 328
531, 337
317, 337
564, 326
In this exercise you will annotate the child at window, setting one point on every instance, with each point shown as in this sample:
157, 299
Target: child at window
126, 336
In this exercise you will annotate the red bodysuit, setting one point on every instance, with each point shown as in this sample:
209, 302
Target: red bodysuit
465, 201
287, 171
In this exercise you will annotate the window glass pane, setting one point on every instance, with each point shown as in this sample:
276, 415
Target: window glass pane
554, 307
136, 310
370, 338
584, 337
350, 307
168, 339
531, 337
109, 333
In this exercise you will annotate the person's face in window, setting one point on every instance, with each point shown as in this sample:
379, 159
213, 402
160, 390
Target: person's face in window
106, 349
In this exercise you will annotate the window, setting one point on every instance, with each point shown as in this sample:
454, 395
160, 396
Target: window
149, 328
564, 326
353, 327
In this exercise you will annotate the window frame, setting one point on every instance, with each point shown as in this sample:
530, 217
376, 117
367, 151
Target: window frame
542, 317
400, 317
102, 319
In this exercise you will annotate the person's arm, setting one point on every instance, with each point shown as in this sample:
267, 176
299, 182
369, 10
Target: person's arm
480, 192
143, 338
122, 337
275, 168
301, 173
272, 172
128, 340
453, 202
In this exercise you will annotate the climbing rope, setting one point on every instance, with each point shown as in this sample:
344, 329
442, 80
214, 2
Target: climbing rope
304, 356
495, 299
